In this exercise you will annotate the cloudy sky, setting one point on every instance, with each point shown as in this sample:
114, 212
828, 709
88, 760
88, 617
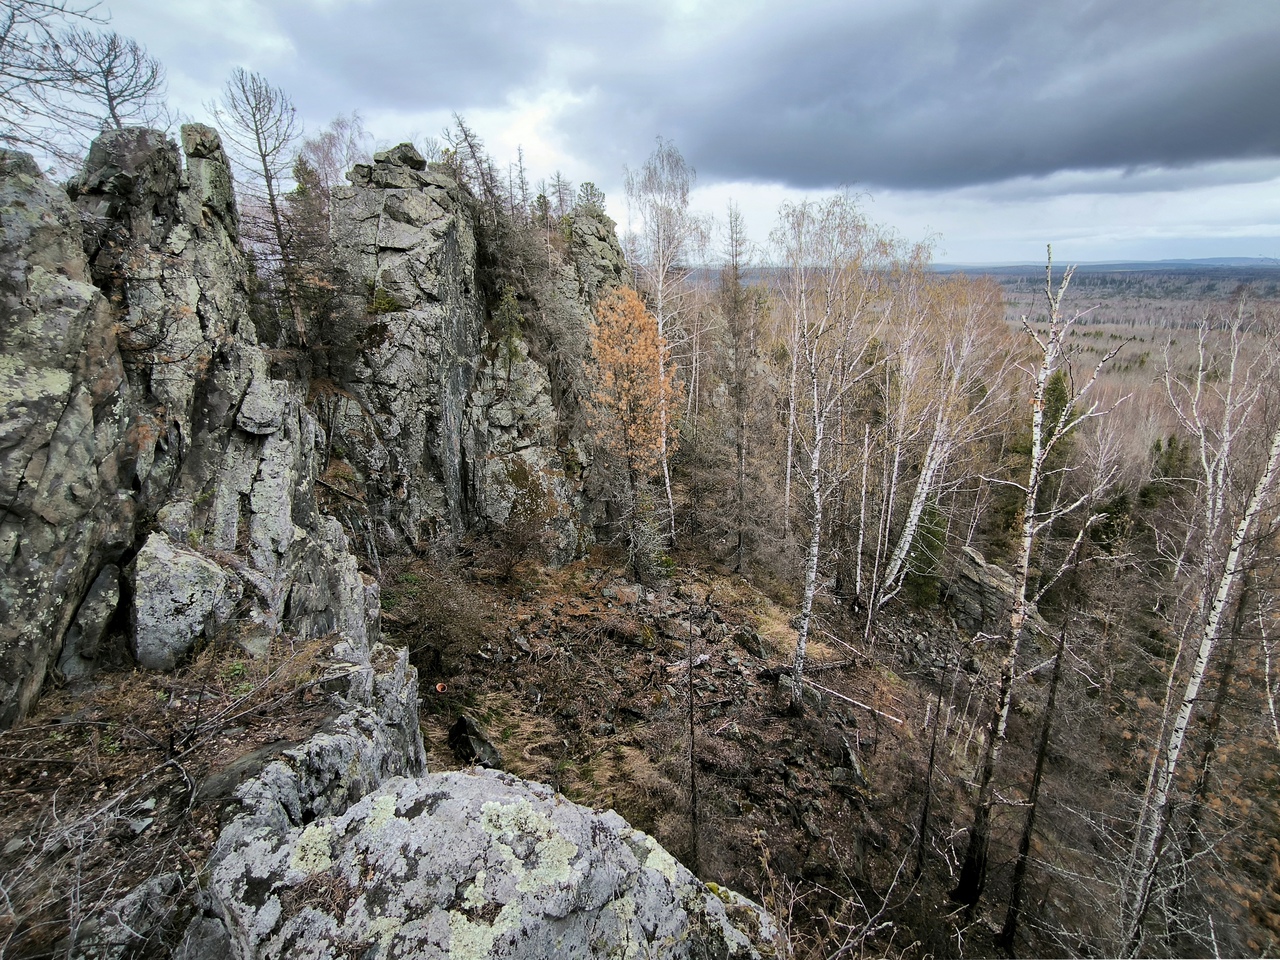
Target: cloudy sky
1116, 129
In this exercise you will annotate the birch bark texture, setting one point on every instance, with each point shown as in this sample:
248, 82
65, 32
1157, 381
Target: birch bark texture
836, 286
665, 238
1227, 407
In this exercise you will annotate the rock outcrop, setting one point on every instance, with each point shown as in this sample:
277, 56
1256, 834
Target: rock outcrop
157, 484
472, 865
979, 595
66, 452
455, 424
147, 459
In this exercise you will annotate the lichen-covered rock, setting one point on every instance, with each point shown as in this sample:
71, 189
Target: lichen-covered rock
129, 927
64, 453
404, 233
473, 865
597, 258
227, 454
520, 473
132, 390
177, 595
459, 423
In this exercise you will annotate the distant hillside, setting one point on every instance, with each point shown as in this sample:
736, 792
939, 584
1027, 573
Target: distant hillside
1233, 265
1132, 286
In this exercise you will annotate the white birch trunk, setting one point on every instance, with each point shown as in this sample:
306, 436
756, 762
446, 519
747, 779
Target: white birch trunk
1151, 833
811, 555
896, 571
862, 506
791, 413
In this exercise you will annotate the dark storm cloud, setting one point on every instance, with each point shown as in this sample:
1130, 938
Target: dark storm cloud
819, 93
944, 94
413, 55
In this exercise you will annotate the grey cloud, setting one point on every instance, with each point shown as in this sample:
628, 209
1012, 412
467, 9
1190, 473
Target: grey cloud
413, 55
941, 94
410, 55
917, 94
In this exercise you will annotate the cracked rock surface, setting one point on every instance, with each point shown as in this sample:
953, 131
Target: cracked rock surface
473, 864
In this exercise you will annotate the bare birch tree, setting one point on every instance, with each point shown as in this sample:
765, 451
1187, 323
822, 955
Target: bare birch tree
669, 234
1225, 407
333, 151
1050, 346
835, 282
958, 390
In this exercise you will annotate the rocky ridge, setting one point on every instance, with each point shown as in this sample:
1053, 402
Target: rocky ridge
454, 423
158, 482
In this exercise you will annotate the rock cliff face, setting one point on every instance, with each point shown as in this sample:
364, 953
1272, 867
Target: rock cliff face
66, 458
454, 424
157, 485
980, 597
154, 474
154, 471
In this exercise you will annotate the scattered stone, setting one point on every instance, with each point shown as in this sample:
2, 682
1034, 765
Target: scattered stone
129, 927
749, 640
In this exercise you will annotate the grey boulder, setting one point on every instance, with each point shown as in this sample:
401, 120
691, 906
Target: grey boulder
474, 865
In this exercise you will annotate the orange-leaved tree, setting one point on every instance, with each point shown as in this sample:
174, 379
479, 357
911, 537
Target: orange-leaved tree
632, 382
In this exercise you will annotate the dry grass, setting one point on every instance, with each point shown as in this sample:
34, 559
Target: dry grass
103, 789
773, 623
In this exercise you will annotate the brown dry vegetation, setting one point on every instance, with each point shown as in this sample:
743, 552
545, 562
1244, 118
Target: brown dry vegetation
109, 787
582, 687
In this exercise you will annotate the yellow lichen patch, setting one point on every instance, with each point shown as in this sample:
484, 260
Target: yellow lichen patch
554, 855
473, 940
313, 851
552, 851
474, 897
384, 928
659, 860
383, 812
624, 909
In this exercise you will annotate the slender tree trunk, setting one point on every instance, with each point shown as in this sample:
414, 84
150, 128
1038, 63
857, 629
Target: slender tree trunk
935, 454
811, 559
633, 518
922, 832
862, 510
287, 273
1010, 929
740, 552
693, 756
791, 427
973, 872
664, 433
1151, 834
1201, 793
